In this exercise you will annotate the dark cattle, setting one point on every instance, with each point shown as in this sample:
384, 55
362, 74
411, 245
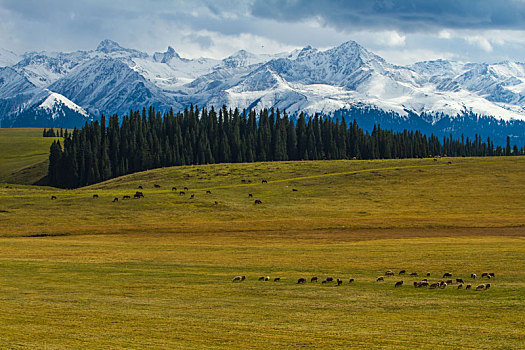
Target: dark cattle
243, 181
216, 203
423, 284
329, 279
264, 181
380, 278
459, 280
480, 287
243, 278
277, 279
250, 195
261, 278
491, 274
449, 162
389, 273
417, 284
435, 160
351, 280
468, 286
301, 280
174, 188
237, 279
402, 272
447, 274
181, 193
424, 280
138, 195
473, 275
53, 197
485, 274
140, 187
323, 282
443, 285
449, 282
398, 284
460, 286
413, 274
95, 196
192, 196
294, 189
208, 192
487, 286
156, 186
313, 279
258, 201
115, 200
126, 197
428, 274
339, 282
267, 278
185, 188
434, 285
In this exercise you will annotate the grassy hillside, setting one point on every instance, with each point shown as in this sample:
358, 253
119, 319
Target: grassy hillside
84, 272
23, 155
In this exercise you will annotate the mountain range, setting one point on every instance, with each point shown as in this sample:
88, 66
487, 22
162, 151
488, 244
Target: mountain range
66, 89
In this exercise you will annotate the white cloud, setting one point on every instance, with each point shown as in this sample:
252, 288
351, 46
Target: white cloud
480, 41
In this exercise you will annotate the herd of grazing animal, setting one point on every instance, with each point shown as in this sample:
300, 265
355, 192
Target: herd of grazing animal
140, 194
442, 284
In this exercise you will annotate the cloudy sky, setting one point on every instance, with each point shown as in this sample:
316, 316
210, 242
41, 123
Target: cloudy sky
402, 31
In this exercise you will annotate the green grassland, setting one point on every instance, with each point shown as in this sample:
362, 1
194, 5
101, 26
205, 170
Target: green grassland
84, 272
23, 155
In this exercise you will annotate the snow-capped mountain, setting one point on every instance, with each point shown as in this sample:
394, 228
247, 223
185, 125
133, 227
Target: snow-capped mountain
113, 79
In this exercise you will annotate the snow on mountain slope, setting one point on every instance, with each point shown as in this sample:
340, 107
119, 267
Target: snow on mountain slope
8, 58
114, 79
56, 103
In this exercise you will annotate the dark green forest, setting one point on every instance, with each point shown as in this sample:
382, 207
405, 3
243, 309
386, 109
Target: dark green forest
147, 139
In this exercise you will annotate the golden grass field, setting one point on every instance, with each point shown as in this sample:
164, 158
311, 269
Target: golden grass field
83, 272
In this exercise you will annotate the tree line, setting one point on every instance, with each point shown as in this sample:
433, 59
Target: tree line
146, 139
52, 133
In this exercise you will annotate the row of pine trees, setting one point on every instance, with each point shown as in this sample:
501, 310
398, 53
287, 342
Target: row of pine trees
146, 140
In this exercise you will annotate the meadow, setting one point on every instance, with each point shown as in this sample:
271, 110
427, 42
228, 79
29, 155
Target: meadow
84, 272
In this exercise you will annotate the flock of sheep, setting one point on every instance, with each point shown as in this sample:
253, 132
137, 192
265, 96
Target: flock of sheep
417, 284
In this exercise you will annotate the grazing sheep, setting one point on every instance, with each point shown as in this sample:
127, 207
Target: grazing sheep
267, 278
473, 275
398, 284
182, 193
487, 286
459, 280
261, 278
428, 274
115, 199
402, 272
258, 201
449, 282
208, 192
313, 279
53, 197
417, 284
380, 278
423, 284
294, 189
460, 286
250, 195
444, 285
186, 189
351, 280
339, 282
264, 181
156, 186
216, 203
413, 274
174, 188
126, 197
140, 187
468, 286
243, 278
277, 279
323, 282
491, 274
434, 285
447, 274
389, 273
480, 287
192, 196
329, 279
301, 280
95, 196
243, 181
424, 280
237, 279
484, 274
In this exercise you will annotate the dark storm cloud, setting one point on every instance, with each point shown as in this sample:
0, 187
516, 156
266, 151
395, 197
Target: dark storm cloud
405, 15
